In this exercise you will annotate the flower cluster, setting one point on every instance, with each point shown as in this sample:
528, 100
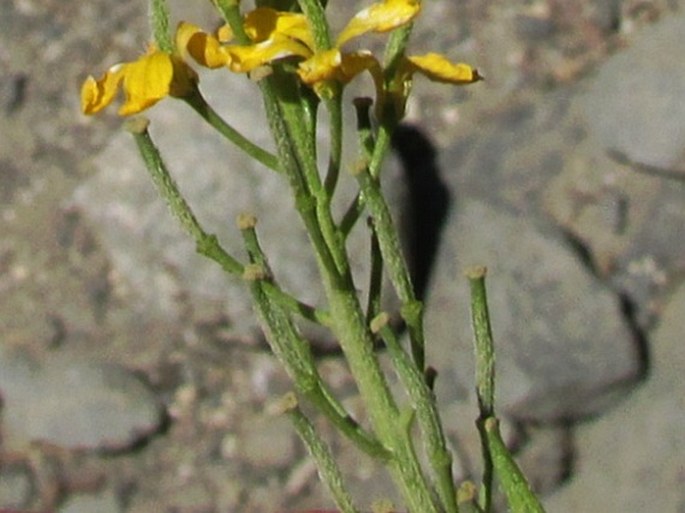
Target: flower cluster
274, 36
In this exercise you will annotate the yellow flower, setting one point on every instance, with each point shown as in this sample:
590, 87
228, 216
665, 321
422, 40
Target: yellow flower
277, 35
145, 81
435, 67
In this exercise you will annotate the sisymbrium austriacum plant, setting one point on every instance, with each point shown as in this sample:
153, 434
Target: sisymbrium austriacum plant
288, 51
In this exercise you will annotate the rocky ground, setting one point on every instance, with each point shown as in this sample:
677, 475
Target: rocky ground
131, 374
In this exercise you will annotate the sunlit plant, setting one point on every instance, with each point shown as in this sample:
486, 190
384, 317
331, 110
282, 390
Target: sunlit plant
287, 49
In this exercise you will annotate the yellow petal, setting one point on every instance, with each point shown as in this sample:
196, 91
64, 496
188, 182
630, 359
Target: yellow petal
380, 17
146, 81
334, 65
320, 66
439, 69
97, 94
204, 48
262, 23
355, 63
247, 58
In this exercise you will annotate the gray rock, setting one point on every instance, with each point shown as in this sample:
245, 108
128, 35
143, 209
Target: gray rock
104, 502
563, 348
511, 156
634, 104
268, 444
626, 176
634, 108
17, 485
547, 457
612, 211
631, 459
74, 404
654, 259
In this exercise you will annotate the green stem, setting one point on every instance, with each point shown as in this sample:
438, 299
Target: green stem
159, 20
329, 472
380, 149
292, 305
230, 11
206, 112
316, 16
293, 351
412, 309
391, 112
169, 190
287, 116
395, 48
485, 375
485, 353
498, 458
349, 321
366, 146
287, 345
373, 306
351, 216
423, 402
356, 341
334, 106
520, 497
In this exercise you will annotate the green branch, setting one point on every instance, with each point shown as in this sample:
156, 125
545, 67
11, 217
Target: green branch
423, 403
412, 308
206, 112
498, 460
328, 469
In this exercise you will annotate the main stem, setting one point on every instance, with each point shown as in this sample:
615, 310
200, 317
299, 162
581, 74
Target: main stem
348, 319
